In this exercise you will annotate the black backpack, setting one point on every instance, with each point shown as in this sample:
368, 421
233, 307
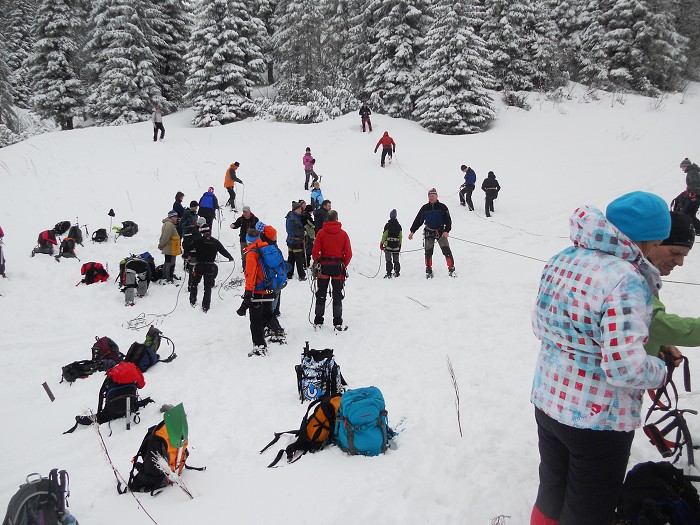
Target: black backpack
76, 234
129, 229
318, 374
66, 249
61, 227
77, 369
658, 494
40, 500
100, 235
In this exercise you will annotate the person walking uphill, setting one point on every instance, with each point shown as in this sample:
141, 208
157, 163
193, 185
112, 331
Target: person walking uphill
230, 181
391, 245
208, 204
169, 245
466, 189
491, 187
437, 222
690, 198
309, 161
245, 222
332, 252
157, 119
205, 248
365, 112
388, 147
591, 314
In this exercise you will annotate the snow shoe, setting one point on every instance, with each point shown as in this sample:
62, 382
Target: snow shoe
279, 337
388, 275
259, 351
340, 327
396, 274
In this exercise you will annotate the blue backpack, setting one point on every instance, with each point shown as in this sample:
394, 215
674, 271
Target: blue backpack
274, 268
362, 426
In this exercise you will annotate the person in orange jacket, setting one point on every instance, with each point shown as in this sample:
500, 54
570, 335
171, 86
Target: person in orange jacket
230, 181
388, 146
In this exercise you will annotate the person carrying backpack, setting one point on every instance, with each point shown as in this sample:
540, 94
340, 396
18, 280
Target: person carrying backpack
491, 187
435, 218
466, 189
308, 161
169, 246
208, 204
245, 222
388, 146
332, 252
206, 248
230, 180
365, 112
691, 203
391, 245
296, 236
188, 218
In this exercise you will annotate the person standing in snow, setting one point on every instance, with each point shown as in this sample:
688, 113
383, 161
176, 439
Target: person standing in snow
2, 255
691, 200
491, 187
245, 222
189, 217
230, 181
169, 245
320, 215
466, 189
309, 161
365, 112
316, 195
205, 248
157, 119
208, 204
388, 147
391, 245
332, 252
435, 218
177, 205
592, 314
296, 237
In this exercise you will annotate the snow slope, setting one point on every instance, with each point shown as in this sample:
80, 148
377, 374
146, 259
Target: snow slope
548, 161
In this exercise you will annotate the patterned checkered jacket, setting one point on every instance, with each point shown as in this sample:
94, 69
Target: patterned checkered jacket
592, 313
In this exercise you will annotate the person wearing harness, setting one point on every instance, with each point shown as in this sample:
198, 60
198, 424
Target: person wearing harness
437, 222
230, 180
296, 235
365, 112
490, 187
466, 189
332, 252
208, 204
204, 250
245, 222
391, 245
388, 147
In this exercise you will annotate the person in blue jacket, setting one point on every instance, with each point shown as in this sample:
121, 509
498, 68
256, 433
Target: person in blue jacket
208, 204
316, 195
466, 189
435, 218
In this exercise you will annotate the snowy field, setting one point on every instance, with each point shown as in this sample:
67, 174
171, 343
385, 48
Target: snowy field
548, 161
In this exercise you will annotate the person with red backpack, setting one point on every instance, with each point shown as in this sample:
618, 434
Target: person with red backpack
388, 146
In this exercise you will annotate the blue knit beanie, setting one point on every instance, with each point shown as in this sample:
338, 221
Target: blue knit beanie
641, 216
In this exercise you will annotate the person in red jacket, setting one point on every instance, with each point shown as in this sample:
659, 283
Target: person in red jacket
332, 252
388, 146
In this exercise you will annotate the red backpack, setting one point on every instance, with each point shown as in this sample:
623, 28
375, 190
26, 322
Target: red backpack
94, 272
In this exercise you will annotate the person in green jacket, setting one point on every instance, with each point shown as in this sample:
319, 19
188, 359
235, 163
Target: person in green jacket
670, 330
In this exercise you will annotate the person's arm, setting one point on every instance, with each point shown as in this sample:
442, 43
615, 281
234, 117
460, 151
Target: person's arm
446, 219
377, 146
347, 251
232, 175
671, 329
393, 144
165, 235
316, 250
223, 251
417, 221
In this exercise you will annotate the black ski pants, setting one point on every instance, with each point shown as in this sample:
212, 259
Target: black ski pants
392, 261
488, 206
581, 472
158, 126
260, 315
465, 196
336, 292
208, 271
231, 197
366, 121
309, 173
296, 256
385, 152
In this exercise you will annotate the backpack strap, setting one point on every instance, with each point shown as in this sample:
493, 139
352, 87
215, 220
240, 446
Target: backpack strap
172, 355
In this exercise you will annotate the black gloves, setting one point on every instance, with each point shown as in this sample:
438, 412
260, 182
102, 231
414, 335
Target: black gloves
247, 300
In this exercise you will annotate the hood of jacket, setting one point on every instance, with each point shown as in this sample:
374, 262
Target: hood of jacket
332, 227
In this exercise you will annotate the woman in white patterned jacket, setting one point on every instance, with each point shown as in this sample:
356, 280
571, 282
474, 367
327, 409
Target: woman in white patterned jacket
592, 315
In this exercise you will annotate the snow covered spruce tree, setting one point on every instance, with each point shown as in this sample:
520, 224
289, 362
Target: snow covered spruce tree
687, 21
224, 61
264, 10
356, 50
451, 97
126, 87
57, 91
397, 41
8, 118
170, 23
17, 18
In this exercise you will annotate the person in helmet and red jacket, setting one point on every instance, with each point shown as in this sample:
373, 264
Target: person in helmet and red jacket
332, 251
388, 146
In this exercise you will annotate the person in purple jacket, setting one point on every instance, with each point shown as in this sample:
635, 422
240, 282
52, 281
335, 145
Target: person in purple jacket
592, 315
308, 161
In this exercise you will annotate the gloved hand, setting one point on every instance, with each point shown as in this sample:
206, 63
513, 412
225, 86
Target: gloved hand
242, 309
247, 301
375, 150
313, 161
381, 246
394, 151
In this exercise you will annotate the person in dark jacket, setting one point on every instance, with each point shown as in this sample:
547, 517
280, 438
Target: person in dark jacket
296, 237
189, 217
365, 112
491, 187
204, 250
466, 189
208, 204
388, 147
691, 202
391, 244
332, 252
307, 220
320, 214
245, 222
437, 223
177, 205
2, 255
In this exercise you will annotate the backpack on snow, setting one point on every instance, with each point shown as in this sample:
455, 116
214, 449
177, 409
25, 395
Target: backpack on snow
318, 374
66, 249
100, 235
361, 426
105, 355
118, 397
77, 369
274, 267
657, 494
167, 440
76, 234
40, 500
135, 275
315, 432
128, 229
145, 355
61, 227
94, 272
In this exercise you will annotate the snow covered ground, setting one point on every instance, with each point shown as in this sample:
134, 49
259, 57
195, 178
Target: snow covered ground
548, 161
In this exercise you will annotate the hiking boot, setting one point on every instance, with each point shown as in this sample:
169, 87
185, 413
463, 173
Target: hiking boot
258, 350
396, 274
451, 271
428, 272
462, 203
205, 310
193, 304
302, 278
388, 275
340, 327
